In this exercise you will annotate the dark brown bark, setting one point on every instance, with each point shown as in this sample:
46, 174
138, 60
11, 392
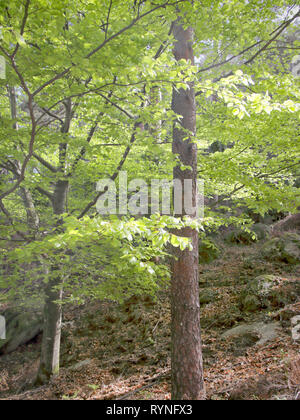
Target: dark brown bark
186, 358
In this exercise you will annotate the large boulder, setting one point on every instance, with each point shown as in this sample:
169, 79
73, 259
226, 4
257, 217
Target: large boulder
250, 303
284, 315
264, 285
257, 333
21, 327
295, 322
267, 291
285, 248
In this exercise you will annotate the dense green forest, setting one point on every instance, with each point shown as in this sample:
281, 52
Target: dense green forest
149, 199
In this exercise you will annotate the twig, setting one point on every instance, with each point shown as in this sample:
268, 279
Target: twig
153, 381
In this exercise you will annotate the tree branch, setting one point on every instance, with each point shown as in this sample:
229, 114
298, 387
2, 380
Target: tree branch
10, 220
46, 193
22, 26
107, 18
28, 156
277, 32
45, 163
116, 105
83, 149
115, 174
106, 41
273, 38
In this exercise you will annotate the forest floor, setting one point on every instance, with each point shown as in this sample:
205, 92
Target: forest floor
122, 351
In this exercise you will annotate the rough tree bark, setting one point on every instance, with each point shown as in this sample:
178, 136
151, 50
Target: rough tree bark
186, 357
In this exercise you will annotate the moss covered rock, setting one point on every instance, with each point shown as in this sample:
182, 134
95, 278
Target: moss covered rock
251, 303
21, 327
267, 291
285, 248
257, 333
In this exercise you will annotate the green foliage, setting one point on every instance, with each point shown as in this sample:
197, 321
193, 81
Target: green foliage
240, 236
100, 259
114, 66
208, 251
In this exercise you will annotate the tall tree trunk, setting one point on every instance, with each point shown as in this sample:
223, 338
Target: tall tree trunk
186, 357
50, 352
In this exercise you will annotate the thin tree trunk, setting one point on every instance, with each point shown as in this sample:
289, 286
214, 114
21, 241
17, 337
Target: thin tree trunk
50, 352
32, 215
186, 357
33, 220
